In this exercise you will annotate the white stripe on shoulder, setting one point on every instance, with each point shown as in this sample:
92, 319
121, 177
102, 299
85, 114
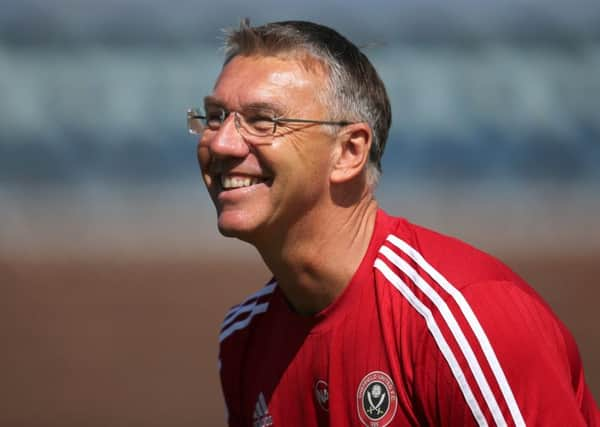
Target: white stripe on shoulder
240, 310
243, 307
473, 322
438, 337
236, 326
457, 332
230, 325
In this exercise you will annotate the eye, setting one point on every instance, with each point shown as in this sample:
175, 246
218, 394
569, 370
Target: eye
260, 123
214, 119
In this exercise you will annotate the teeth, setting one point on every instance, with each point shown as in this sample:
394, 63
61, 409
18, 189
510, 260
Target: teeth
237, 182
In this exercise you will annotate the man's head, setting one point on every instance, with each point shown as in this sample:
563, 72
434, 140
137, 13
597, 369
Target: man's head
288, 134
354, 90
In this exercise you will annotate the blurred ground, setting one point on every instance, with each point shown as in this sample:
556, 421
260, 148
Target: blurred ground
134, 342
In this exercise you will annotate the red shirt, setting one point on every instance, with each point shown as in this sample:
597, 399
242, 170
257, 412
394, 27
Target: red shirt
429, 331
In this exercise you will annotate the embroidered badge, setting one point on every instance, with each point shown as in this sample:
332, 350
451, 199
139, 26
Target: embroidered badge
376, 399
322, 394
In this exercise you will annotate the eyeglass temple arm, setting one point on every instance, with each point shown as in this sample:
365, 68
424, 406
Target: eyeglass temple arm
318, 122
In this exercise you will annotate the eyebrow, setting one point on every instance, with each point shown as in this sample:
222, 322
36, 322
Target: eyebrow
273, 107
211, 101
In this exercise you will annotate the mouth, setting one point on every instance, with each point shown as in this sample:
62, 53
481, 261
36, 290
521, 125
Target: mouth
234, 181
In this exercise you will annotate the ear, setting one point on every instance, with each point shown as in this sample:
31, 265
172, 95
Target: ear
352, 154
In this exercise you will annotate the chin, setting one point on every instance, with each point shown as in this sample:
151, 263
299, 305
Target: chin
237, 227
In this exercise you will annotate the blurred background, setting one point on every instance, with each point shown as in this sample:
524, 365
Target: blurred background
113, 279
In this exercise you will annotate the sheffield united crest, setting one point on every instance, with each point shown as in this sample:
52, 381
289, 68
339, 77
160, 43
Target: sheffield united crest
376, 399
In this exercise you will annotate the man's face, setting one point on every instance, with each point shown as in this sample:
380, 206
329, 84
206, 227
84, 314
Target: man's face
262, 190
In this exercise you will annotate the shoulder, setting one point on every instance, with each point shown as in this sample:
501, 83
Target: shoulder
233, 339
440, 257
236, 330
240, 316
455, 289
484, 334
498, 347
446, 280
425, 273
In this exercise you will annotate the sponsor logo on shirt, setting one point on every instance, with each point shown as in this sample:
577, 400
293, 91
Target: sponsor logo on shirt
322, 394
261, 417
376, 399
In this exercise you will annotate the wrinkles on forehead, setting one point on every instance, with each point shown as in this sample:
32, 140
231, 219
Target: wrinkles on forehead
268, 83
306, 61
275, 108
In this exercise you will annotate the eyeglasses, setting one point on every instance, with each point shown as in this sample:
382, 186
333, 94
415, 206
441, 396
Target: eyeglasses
256, 127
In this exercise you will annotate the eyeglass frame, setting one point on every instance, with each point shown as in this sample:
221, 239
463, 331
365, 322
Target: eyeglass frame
192, 113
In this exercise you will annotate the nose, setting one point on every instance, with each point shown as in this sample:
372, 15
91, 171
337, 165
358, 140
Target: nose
227, 141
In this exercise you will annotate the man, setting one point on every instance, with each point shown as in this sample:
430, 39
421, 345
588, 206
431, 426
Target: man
369, 319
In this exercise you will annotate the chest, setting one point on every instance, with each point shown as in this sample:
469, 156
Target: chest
350, 374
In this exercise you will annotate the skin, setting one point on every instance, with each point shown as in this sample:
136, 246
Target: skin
311, 206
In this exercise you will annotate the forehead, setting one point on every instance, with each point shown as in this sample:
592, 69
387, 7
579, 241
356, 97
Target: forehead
280, 81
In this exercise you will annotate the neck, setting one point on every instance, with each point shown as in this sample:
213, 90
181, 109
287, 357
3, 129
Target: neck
319, 254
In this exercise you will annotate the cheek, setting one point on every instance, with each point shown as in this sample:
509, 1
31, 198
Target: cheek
309, 176
203, 155
317, 164
204, 161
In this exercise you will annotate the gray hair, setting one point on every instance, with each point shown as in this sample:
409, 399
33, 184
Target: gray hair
355, 90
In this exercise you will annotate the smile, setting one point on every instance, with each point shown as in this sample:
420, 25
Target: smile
229, 182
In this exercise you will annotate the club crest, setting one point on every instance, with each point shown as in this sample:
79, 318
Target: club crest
322, 394
376, 399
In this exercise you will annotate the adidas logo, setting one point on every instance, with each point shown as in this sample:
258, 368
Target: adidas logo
262, 418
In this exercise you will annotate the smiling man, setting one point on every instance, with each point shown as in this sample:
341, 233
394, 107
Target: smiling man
369, 319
